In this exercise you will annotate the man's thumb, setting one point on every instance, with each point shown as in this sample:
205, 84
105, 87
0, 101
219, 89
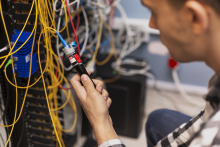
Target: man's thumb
87, 83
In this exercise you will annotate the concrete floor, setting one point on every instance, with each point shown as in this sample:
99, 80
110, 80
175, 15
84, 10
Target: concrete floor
163, 99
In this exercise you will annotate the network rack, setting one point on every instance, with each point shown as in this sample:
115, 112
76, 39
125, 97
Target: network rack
34, 128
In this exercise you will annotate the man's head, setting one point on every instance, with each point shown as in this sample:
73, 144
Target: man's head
189, 28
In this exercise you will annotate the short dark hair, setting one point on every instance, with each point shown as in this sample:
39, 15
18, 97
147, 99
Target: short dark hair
215, 4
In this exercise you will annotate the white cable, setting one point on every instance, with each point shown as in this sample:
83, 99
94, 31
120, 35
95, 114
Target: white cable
130, 72
94, 40
77, 8
102, 5
181, 90
115, 2
4, 49
82, 38
57, 44
127, 26
87, 31
55, 3
132, 48
128, 30
96, 4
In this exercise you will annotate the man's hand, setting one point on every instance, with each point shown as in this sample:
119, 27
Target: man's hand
95, 103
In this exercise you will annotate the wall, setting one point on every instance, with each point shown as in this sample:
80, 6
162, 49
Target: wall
195, 73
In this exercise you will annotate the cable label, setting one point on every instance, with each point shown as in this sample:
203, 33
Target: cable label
27, 58
72, 60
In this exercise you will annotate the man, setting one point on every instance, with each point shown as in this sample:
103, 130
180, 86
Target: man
190, 30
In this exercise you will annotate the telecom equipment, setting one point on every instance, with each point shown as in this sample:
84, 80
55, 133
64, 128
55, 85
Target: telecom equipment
34, 65
73, 57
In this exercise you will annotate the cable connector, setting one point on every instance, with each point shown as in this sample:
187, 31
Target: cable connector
8, 63
68, 49
62, 40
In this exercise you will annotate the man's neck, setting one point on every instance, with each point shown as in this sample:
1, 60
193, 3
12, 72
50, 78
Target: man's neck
212, 58
213, 55
214, 63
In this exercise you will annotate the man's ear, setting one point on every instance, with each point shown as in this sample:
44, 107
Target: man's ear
198, 16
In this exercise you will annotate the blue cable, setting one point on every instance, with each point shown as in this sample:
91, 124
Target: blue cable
103, 43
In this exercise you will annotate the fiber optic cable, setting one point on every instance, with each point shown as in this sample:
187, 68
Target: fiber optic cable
87, 31
50, 54
60, 85
112, 51
99, 38
12, 62
16, 87
76, 1
57, 45
48, 104
54, 115
24, 97
16, 103
104, 42
11, 53
73, 27
78, 22
13, 74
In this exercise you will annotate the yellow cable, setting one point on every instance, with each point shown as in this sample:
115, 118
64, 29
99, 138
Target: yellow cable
13, 72
68, 97
98, 40
48, 104
35, 81
10, 53
68, 34
50, 68
12, 68
16, 87
112, 41
53, 86
112, 52
66, 17
53, 12
16, 104
75, 119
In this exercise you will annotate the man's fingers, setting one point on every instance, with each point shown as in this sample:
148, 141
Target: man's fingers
99, 85
75, 81
78, 78
87, 83
79, 89
89, 72
109, 102
105, 94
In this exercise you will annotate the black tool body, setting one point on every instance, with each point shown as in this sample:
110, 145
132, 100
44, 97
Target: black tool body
78, 65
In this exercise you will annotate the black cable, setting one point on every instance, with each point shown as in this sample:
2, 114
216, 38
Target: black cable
5, 113
4, 117
1, 107
1, 119
22, 129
